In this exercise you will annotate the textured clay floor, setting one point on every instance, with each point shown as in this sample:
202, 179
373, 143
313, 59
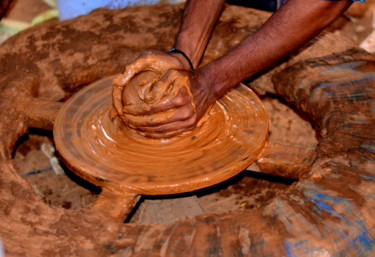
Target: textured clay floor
247, 190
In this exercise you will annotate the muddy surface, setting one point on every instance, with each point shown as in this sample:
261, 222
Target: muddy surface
62, 190
70, 192
247, 190
311, 216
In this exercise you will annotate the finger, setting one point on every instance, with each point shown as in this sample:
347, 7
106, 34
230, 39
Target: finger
146, 109
130, 71
170, 127
172, 81
172, 101
147, 121
162, 89
112, 113
158, 119
162, 135
168, 93
142, 64
139, 109
117, 99
118, 81
157, 91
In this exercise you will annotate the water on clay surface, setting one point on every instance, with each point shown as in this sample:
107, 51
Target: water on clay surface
245, 191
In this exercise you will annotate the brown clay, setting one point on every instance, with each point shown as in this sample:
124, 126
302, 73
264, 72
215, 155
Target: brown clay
141, 94
4, 7
112, 155
329, 212
285, 161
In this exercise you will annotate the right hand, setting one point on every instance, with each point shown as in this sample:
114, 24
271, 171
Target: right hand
179, 100
152, 60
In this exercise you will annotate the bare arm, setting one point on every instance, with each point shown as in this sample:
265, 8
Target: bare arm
295, 23
198, 22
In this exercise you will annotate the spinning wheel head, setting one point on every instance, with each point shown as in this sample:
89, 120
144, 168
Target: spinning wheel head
109, 154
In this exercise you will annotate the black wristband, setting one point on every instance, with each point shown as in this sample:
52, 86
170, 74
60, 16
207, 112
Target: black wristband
174, 50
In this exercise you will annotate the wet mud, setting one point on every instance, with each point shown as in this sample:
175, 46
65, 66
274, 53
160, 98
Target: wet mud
328, 212
107, 151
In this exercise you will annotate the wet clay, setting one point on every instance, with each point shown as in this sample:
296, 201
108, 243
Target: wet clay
143, 93
328, 212
106, 151
140, 89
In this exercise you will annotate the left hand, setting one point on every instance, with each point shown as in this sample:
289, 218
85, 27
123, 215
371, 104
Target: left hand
184, 97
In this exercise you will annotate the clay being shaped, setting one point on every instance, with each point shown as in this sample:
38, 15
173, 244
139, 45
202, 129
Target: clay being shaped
326, 212
140, 88
125, 164
143, 93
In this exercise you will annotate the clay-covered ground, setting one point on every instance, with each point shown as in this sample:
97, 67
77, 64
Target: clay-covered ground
250, 189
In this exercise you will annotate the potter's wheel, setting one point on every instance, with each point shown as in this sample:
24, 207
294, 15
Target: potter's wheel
110, 154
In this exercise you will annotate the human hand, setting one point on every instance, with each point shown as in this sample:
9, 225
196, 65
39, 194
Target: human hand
155, 61
171, 106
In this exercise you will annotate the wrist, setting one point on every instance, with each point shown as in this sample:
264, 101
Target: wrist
184, 63
184, 43
182, 57
213, 80
206, 79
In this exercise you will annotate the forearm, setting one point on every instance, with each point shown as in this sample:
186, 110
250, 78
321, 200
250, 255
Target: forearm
198, 21
297, 22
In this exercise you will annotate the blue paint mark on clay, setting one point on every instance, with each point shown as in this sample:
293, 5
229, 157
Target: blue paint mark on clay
302, 248
344, 83
368, 146
365, 242
328, 197
359, 239
288, 249
367, 176
323, 205
344, 66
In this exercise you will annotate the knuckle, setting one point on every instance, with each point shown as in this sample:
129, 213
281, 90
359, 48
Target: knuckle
190, 127
159, 130
179, 101
182, 99
187, 113
190, 122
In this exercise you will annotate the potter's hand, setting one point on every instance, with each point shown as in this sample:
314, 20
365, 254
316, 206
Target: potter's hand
185, 98
152, 60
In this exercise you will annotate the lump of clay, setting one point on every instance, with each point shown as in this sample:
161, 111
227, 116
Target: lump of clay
142, 100
143, 92
139, 90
